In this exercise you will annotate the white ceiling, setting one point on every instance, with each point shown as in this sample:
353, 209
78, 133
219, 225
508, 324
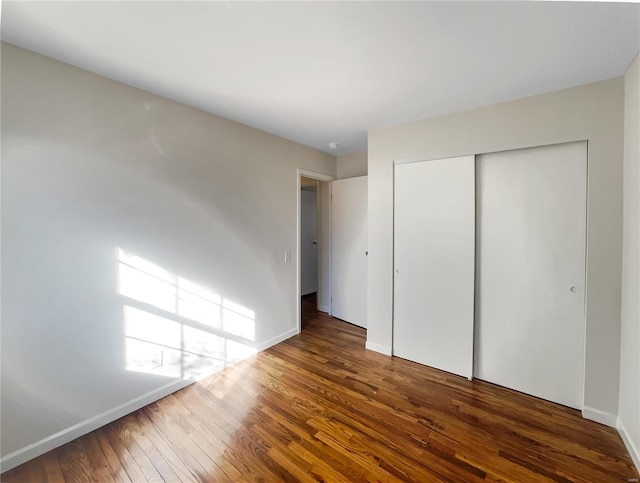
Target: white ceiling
317, 72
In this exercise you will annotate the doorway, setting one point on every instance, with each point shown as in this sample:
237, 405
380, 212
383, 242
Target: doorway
308, 237
309, 229
314, 244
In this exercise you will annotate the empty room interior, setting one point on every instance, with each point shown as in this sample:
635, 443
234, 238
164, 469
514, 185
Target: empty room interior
320, 241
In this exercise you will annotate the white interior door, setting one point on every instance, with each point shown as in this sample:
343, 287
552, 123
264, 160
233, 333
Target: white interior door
434, 250
349, 250
531, 215
308, 241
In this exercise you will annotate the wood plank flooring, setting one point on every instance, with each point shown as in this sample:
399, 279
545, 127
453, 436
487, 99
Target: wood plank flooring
319, 407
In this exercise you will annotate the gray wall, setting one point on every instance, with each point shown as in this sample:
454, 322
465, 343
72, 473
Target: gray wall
88, 165
352, 165
593, 112
629, 416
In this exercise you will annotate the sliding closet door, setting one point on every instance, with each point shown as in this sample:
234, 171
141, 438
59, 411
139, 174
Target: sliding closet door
434, 250
530, 325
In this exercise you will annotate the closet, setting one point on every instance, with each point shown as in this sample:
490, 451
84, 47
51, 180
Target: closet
489, 267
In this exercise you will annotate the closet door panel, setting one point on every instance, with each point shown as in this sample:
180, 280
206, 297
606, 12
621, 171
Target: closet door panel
434, 263
530, 327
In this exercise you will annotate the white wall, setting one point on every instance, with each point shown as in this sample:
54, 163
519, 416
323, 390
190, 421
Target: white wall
629, 415
352, 165
88, 165
593, 112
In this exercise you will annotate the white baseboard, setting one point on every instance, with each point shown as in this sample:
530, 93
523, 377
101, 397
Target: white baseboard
80, 429
633, 450
609, 419
324, 308
276, 340
383, 349
598, 416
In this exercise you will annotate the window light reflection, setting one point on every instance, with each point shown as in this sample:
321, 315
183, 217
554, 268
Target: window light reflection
176, 328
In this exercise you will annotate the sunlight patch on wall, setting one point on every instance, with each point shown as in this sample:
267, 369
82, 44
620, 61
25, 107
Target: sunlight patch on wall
176, 328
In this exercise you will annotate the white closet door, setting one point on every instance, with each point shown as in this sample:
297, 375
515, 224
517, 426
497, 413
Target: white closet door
530, 325
434, 250
349, 250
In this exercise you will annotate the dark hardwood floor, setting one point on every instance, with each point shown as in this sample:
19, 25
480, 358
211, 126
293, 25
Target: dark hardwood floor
320, 407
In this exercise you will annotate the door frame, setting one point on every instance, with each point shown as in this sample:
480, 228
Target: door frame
319, 177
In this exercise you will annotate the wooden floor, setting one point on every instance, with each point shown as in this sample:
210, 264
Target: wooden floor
321, 407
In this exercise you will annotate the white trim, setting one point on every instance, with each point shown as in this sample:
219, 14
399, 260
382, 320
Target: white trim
598, 416
277, 339
633, 451
38, 448
314, 175
56, 440
324, 308
319, 177
586, 282
382, 349
330, 241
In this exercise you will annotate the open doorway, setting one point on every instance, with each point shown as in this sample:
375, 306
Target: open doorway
308, 246
314, 245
